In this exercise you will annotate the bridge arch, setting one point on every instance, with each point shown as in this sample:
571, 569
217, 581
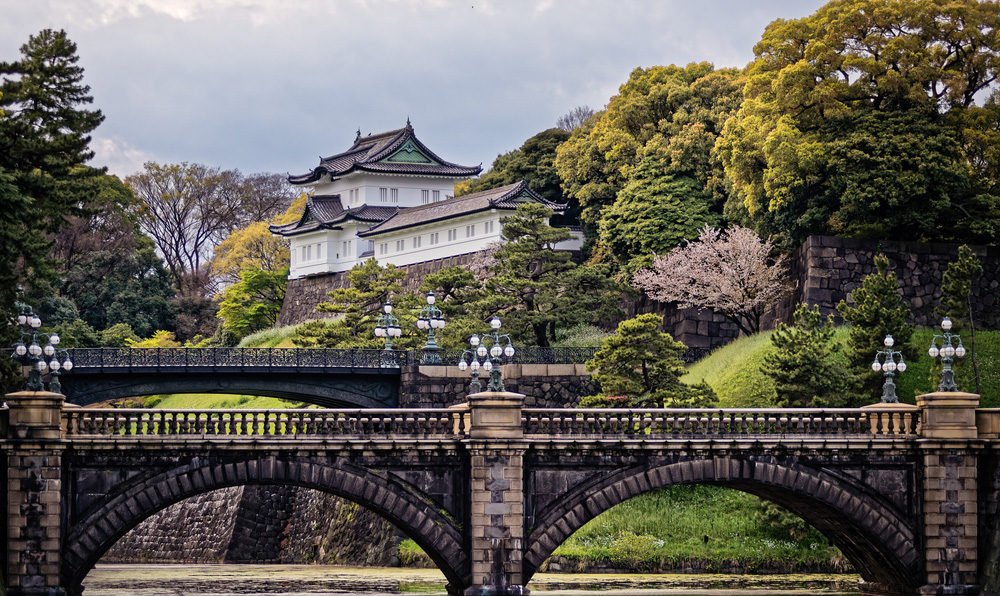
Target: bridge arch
90, 537
878, 542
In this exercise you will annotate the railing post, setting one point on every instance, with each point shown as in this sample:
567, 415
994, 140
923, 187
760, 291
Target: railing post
949, 441
34, 498
496, 448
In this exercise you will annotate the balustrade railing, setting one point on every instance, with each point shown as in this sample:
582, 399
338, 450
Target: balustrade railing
607, 423
294, 424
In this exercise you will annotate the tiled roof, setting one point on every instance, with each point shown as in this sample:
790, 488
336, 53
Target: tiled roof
368, 154
323, 211
504, 197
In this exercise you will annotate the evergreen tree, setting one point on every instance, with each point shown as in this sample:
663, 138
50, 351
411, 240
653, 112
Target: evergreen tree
535, 288
655, 212
640, 366
806, 364
956, 298
358, 307
875, 309
44, 146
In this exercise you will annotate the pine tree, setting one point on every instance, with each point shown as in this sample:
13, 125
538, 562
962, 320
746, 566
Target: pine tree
806, 364
875, 309
358, 307
44, 146
640, 366
956, 298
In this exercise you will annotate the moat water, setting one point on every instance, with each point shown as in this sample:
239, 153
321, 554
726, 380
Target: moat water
230, 580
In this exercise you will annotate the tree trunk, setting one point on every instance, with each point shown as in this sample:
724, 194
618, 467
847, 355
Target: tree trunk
541, 334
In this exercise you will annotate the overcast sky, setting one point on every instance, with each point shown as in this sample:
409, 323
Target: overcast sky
269, 85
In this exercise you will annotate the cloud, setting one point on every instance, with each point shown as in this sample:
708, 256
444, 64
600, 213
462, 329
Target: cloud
267, 85
120, 157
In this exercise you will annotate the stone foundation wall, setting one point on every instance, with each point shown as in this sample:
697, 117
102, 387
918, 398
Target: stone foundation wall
830, 268
260, 524
304, 294
196, 530
543, 385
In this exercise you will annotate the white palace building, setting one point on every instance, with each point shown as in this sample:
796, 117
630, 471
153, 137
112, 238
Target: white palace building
390, 197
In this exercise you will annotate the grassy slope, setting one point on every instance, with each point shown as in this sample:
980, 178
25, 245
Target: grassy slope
705, 527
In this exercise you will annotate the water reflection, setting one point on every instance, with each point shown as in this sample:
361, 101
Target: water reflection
227, 580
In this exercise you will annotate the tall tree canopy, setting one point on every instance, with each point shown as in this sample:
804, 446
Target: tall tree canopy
673, 111
45, 131
189, 208
862, 120
531, 162
537, 289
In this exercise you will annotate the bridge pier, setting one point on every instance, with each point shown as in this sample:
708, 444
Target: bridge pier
33, 454
951, 447
496, 451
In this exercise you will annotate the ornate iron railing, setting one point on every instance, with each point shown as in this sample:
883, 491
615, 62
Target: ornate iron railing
295, 424
104, 358
532, 355
111, 358
603, 423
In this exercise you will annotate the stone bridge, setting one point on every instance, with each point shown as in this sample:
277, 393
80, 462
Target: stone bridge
320, 376
490, 488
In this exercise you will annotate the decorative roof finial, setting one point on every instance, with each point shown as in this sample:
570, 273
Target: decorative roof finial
408, 125
358, 135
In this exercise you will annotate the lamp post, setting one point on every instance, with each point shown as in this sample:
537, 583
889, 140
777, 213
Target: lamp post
387, 325
430, 318
487, 354
942, 346
890, 362
37, 353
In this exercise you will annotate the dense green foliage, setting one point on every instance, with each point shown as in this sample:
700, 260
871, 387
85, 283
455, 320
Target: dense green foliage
860, 120
655, 211
956, 301
650, 150
873, 311
252, 303
532, 162
640, 366
45, 127
358, 307
535, 289
806, 364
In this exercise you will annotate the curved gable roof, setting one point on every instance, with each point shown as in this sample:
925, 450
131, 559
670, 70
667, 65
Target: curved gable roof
325, 211
503, 197
374, 153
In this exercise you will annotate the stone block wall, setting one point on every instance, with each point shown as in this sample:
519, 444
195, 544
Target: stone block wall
830, 268
543, 385
260, 524
304, 294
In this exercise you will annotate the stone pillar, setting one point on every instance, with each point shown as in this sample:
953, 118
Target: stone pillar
950, 445
497, 529
34, 493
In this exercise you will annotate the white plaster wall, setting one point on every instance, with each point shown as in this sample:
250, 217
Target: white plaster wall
445, 248
369, 185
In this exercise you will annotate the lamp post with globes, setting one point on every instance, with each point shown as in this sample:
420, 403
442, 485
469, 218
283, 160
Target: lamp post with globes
943, 347
487, 354
889, 362
37, 353
430, 318
387, 326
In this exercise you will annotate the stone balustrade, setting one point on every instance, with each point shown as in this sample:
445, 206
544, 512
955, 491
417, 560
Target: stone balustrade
290, 423
607, 423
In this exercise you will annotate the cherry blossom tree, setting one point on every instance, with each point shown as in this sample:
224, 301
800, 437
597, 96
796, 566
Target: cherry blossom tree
728, 271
